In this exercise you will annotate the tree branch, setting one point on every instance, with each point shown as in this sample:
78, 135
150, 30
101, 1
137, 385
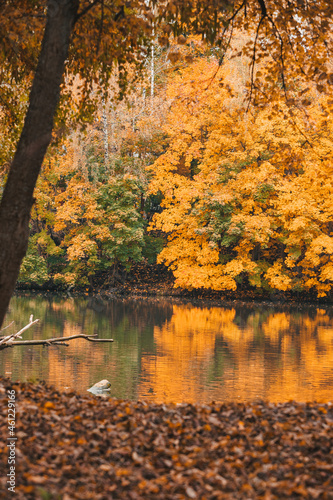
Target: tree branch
254, 57
5, 328
87, 9
100, 29
58, 340
9, 341
263, 8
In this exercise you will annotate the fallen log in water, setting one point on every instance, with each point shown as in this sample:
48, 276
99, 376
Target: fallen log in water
9, 340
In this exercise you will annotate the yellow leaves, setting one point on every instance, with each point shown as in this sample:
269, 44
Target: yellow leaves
102, 233
81, 247
245, 195
197, 250
75, 203
233, 268
256, 228
190, 275
322, 245
299, 223
290, 261
277, 277
327, 272
65, 278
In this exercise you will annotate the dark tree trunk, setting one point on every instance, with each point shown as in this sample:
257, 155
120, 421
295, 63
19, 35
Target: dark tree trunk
36, 135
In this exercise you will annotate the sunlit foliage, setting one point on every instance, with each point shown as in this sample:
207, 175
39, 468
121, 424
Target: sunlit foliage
247, 195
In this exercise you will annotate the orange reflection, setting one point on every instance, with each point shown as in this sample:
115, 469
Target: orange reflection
188, 336
285, 356
73, 362
196, 354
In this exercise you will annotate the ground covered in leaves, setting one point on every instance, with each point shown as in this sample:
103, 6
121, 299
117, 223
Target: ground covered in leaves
80, 447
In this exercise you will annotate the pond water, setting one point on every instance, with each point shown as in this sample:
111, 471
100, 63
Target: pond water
165, 351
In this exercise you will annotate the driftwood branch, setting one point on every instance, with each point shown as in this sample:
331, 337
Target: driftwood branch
9, 340
60, 340
5, 327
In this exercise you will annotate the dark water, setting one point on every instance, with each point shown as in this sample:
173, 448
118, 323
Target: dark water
169, 352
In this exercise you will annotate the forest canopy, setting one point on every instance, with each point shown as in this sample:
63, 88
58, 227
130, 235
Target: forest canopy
247, 195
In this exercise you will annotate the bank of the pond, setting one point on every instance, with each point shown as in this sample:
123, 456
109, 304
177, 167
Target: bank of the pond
82, 447
153, 280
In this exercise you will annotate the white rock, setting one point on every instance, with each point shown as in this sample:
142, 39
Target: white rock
100, 387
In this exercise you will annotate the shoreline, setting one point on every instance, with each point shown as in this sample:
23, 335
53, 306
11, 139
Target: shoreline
154, 280
178, 297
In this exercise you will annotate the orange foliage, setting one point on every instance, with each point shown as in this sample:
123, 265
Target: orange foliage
246, 195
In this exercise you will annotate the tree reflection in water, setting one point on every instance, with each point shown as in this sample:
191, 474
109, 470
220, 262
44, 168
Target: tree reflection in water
165, 351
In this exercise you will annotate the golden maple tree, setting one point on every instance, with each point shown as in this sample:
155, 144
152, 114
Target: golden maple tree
246, 194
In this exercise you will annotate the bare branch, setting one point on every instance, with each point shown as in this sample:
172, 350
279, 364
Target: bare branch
263, 8
9, 339
281, 55
254, 58
243, 4
100, 28
86, 10
59, 340
5, 328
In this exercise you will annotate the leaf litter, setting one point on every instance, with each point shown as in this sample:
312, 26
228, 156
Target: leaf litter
84, 447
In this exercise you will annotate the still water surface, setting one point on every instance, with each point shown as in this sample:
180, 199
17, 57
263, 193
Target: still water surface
171, 352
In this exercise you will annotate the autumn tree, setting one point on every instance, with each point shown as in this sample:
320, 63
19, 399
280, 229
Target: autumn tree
75, 238
87, 37
246, 194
